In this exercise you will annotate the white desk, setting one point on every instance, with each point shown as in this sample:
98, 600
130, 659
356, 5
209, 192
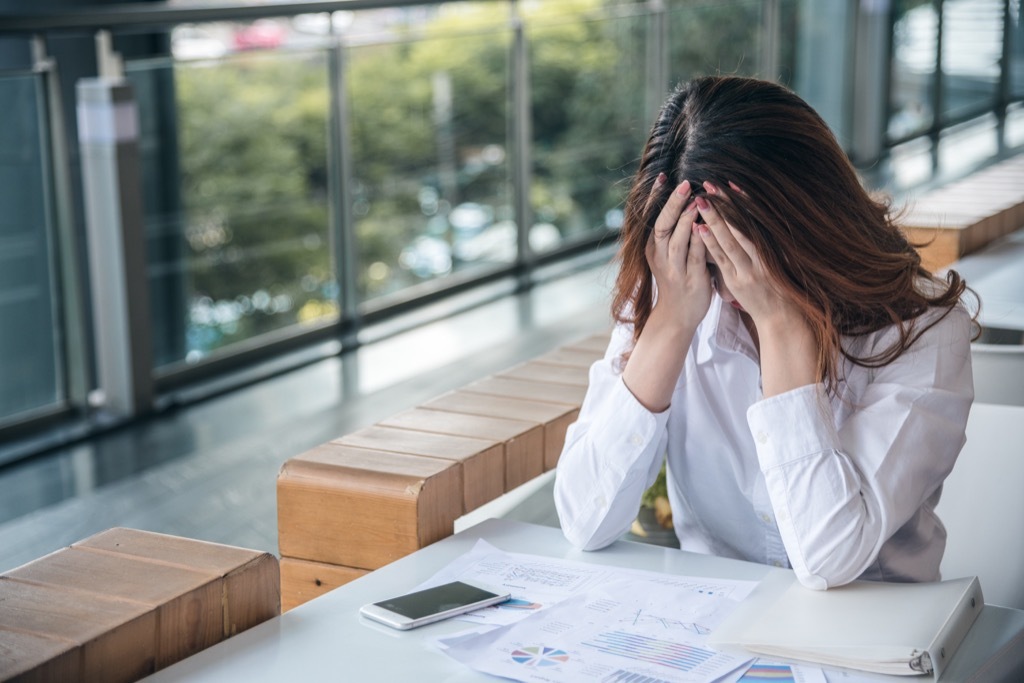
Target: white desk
326, 639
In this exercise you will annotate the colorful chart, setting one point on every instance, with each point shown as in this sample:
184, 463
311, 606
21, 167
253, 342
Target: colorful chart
624, 676
775, 673
539, 655
642, 648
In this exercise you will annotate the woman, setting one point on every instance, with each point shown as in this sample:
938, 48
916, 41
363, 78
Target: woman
778, 340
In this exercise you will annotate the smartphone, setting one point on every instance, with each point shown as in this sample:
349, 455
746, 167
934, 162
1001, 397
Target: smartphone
432, 604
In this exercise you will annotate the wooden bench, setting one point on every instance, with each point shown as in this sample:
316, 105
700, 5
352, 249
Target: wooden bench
962, 217
125, 603
370, 497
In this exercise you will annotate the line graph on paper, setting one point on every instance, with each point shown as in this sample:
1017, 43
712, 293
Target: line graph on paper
643, 617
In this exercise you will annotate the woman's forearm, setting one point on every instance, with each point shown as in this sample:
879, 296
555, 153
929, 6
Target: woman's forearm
789, 356
656, 361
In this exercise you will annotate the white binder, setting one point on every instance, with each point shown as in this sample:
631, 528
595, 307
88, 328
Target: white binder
889, 628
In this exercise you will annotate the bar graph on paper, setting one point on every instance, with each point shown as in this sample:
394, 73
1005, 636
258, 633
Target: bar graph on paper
674, 655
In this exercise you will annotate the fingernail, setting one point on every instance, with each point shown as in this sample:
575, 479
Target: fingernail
684, 187
710, 188
702, 203
702, 228
660, 180
690, 206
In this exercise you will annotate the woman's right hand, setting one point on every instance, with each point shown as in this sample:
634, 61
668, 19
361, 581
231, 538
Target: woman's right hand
677, 257
675, 253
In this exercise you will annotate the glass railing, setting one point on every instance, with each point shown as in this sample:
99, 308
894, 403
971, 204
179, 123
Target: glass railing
236, 187
31, 343
304, 173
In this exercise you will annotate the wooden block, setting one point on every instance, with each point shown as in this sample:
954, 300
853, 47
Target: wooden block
482, 461
251, 579
556, 417
594, 342
554, 438
364, 508
581, 358
187, 604
938, 248
546, 372
544, 392
113, 639
302, 580
33, 658
523, 442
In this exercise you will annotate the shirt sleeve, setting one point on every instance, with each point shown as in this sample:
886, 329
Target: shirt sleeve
612, 454
839, 493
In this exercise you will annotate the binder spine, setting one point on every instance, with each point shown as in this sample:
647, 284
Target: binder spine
956, 627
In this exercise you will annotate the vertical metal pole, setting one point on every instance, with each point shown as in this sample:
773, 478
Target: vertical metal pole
77, 348
937, 94
342, 219
1003, 94
108, 138
521, 140
657, 57
770, 12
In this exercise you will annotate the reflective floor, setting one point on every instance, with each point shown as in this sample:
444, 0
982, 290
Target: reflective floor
208, 471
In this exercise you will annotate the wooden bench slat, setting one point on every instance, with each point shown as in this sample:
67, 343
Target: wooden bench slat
364, 508
482, 461
523, 442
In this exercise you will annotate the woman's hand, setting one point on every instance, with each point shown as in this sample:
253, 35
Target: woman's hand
787, 345
741, 267
676, 255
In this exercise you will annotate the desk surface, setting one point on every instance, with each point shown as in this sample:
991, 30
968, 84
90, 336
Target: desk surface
326, 639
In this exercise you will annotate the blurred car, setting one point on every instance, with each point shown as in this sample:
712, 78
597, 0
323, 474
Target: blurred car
263, 34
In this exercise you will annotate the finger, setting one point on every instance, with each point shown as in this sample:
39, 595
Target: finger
669, 215
722, 236
736, 187
696, 259
679, 245
744, 242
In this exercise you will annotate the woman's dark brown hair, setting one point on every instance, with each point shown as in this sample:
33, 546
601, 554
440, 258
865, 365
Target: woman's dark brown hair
829, 245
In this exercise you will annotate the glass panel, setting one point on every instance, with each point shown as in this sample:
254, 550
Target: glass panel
915, 35
972, 47
1016, 49
430, 150
587, 80
30, 335
713, 38
236, 191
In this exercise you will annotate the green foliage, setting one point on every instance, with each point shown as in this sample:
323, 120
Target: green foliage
254, 139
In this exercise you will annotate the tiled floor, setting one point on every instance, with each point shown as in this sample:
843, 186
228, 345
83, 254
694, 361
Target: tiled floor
208, 471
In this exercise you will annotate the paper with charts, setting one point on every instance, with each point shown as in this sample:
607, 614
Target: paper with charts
573, 621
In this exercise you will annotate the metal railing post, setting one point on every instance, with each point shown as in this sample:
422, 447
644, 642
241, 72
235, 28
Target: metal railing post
770, 11
657, 57
77, 347
342, 220
108, 132
521, 145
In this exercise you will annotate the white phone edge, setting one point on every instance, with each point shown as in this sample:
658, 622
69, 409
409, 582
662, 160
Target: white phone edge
404, 623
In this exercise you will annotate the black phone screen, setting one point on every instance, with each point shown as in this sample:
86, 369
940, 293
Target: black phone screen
433, 600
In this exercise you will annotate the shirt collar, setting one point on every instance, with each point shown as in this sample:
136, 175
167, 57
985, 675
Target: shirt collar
723, 329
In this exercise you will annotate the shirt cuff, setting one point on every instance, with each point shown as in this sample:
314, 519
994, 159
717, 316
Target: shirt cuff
625, 426
792, 425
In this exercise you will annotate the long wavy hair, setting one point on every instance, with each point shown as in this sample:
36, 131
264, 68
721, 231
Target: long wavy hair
835, 250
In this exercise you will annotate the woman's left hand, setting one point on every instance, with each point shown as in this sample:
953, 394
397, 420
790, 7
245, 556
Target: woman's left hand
741, 267
786, 342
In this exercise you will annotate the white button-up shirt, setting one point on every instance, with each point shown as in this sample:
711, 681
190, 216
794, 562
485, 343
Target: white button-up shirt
836, 487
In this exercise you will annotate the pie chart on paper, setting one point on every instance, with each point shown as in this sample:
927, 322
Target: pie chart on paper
539, 655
